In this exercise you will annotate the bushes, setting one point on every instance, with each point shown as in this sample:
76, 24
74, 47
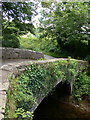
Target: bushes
87, 58
29, 41
10, 41
36, 43
82, 87
10, 36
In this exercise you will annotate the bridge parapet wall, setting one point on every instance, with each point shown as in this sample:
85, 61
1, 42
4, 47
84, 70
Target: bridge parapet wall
15, 53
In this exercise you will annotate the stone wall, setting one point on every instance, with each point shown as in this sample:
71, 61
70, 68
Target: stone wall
15, 53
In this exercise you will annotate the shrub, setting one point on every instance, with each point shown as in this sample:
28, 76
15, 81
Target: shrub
10, 41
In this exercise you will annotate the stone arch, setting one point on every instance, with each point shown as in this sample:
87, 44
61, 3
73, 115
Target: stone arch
60, 92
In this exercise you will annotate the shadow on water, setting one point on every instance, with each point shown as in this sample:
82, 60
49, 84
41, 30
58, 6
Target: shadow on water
57, 106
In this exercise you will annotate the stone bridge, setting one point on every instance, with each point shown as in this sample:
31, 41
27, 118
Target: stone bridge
13, 70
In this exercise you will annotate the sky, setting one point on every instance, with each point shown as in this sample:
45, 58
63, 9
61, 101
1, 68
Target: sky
35, 19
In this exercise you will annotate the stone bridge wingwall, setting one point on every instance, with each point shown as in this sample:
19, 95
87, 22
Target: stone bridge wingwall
15, 53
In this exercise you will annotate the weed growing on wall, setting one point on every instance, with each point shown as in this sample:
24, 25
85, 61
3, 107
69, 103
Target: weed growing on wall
35, 83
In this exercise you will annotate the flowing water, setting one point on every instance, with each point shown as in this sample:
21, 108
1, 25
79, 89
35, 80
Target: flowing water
56, 106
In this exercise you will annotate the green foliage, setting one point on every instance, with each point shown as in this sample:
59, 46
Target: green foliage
27, 115
47, 45
35, 83
87, 58
61, 32
64, 27
29, 41
10, 41
16, 20
82, 87
20, 14
34, 42
68, 23
18, 11
10, 35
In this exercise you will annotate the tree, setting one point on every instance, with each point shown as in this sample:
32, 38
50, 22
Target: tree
64, 22
16, 20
